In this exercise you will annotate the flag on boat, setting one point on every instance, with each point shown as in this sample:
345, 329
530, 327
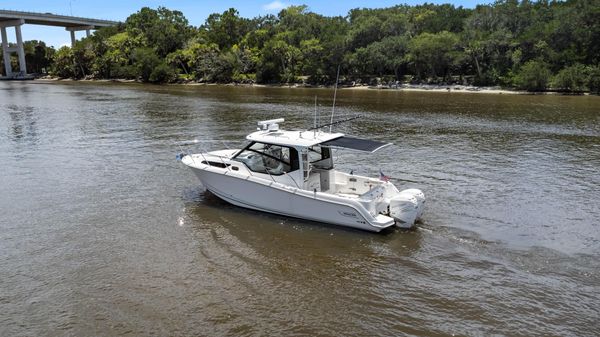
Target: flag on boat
383, 176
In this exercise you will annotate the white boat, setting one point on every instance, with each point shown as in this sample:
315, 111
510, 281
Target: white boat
292, 173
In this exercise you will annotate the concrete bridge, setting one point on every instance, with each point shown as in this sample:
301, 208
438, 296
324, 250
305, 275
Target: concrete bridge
17, 19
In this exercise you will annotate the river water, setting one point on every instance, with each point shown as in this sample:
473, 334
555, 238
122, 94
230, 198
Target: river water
103, 232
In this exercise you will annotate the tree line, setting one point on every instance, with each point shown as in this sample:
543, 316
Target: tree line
521, 44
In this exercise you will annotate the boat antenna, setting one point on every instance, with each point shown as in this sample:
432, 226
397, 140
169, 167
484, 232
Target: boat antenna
336, 122
315, 125
337, 77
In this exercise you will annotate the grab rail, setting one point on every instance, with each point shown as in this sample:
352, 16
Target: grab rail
294, 180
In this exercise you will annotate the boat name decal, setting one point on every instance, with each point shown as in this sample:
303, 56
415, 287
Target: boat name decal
348, 214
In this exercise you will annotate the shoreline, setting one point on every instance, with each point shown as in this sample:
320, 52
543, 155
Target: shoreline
454, 88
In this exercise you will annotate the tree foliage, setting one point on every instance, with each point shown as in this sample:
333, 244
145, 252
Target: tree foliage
531, 45
432, 54
571, 79
162, 29
64, 63
38, 56
533, 76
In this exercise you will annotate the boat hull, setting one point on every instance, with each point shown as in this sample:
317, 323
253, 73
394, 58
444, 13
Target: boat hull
261, 195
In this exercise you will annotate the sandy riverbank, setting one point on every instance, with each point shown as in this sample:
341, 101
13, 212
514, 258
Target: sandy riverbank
442, 88
400, 87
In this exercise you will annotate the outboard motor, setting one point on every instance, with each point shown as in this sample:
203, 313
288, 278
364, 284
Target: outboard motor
407, 207
420, 200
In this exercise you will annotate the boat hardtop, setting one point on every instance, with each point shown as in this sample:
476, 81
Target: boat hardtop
270, 133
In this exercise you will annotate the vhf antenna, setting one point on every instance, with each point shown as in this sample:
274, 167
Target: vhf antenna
315, 125
337, 77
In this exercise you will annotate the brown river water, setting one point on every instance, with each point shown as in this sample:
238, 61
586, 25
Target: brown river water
103, 232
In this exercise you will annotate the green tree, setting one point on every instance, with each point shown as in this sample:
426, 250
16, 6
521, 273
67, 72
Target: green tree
162, 73
83, 56
151, 68
38, 56
593, 82
433, 54
489, 43
115, 58
226, 29
162, 29
312, 55
64, 63
365, 28
430, 18
202, 59
178, 60
380, 58
246, 60
571, 79
394, 49
533, 76
72, 62
285, 55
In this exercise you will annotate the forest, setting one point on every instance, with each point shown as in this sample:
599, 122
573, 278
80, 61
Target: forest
534, 46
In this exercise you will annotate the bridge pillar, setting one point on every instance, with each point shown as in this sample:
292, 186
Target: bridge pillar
20, 51
6, 50
78, 28
6, 53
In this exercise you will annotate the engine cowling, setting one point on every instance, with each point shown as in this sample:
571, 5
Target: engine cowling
407, 207
420, 200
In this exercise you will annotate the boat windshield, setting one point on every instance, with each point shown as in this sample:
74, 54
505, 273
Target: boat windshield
268, 158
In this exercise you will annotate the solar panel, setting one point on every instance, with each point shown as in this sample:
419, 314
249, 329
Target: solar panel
353, 143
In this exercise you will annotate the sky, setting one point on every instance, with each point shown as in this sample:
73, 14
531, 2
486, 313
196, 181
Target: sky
195, 11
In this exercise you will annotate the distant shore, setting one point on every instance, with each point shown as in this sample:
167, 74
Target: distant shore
400, 87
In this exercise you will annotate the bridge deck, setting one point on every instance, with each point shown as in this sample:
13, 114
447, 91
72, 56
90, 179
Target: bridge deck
49, 19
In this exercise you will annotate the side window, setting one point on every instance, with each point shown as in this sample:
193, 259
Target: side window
320, 157
268, 158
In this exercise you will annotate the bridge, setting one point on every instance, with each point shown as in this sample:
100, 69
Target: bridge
16, 19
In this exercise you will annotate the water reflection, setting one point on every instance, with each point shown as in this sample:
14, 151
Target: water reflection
203, 207
23, 128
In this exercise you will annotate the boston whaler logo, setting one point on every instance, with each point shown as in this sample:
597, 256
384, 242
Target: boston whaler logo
348, 214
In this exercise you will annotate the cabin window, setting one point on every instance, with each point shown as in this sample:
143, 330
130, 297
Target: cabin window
320, 157
214, 163
269, 158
